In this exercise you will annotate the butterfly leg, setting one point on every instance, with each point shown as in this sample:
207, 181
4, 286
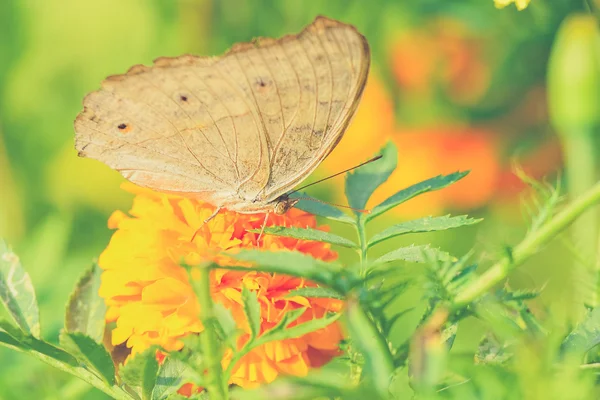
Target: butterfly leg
214, 214
262, 229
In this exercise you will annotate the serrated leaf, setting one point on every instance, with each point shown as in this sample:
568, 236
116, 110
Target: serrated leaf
17, 293
297, 330
141, 371
86, 310
252, 311
316, 292
227, 326
290, 263
491, 352
585, 336
427, 224
362, 182
172, 375
460, 277
308, 234
90, 353
287, 319
317, 207
439, 182
417, 254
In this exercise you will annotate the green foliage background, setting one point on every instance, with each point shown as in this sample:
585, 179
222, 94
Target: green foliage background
54, 206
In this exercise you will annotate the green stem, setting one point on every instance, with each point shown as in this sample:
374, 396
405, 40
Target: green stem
216, 386
590, 366
237, 356
580, 163
361, 229
528, 247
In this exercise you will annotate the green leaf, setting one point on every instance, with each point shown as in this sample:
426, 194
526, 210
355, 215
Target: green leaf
10, 342
11, 335
141, 371
361, 183
17, 293
12, 330
36, 347
427, 224
86, 310
290, 263
585, 336
297, 330
379, 365
227, 326
90, 353
316, 292
439, 182
491, 351
308, 234
172, 375
446, 278
287, 319
417, 254
275, 332
252, 311
317, 207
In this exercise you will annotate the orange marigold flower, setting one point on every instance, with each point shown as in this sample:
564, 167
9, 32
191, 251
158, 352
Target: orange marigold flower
152, 302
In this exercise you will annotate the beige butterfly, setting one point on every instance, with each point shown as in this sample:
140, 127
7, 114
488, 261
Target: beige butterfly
238, 131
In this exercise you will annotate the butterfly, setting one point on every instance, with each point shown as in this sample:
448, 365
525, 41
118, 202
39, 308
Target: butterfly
238, 131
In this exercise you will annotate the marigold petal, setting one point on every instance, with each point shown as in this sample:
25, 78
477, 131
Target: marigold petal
149, 296
167, 294
115, 219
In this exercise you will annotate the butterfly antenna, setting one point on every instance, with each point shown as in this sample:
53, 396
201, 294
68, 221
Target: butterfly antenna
333, 204
334, 175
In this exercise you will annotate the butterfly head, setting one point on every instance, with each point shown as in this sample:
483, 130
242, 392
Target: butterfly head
283, 204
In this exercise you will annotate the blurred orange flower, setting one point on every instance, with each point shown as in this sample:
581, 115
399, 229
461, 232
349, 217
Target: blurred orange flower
426, 153
369, 130
445, 54
423, 154
151, 300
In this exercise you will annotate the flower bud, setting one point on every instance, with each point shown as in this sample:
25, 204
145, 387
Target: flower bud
574, 75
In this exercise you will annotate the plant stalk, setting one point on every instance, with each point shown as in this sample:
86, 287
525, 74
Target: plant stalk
361, 229
581, 175
215, 385
528, 247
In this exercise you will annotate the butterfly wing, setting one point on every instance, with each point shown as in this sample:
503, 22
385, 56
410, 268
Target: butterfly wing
306, 88
172, 127
232, 130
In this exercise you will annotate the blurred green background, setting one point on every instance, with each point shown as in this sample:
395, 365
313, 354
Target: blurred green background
456, 84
